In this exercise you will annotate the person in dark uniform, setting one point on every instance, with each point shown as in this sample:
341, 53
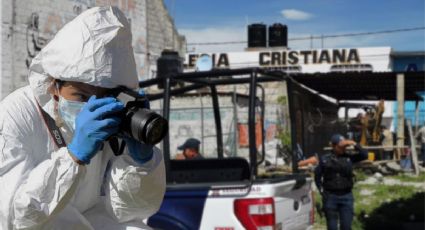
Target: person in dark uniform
334, 180
190, 149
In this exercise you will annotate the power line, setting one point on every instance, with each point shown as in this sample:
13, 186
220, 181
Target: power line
364, 33
317, 37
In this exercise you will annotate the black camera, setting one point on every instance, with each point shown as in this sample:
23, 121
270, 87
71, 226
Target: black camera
139, 122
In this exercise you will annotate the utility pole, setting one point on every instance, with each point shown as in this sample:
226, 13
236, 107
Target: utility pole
400, 114
414, 155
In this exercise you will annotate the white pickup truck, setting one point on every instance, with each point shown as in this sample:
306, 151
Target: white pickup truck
217, 194
227, 193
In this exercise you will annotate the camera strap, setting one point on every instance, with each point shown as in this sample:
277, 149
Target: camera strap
116, 146
57, 137
53, 128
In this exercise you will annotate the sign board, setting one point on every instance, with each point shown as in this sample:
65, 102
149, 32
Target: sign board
410, 63
375, 59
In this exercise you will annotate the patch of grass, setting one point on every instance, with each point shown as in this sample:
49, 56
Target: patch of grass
319, 219
409, 177
360, 175
380, 194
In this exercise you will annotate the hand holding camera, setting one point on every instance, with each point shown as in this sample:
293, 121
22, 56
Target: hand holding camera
138, 121
142, 152
94, 124
128, 116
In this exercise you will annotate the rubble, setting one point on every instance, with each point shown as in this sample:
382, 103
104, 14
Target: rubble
386, 167
391, 182
370, 180
378, 177
394, 166
366, 192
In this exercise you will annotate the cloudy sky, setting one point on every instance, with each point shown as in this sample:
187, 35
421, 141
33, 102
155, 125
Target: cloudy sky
226, 20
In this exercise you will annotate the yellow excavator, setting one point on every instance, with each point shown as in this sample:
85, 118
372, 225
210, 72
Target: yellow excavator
369, 125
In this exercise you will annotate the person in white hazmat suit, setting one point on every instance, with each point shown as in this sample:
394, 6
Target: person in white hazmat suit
81, 185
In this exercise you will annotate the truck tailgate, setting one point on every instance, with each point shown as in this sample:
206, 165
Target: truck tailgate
215, 207
293, 205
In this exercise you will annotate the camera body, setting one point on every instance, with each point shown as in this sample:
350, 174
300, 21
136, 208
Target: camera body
138, 122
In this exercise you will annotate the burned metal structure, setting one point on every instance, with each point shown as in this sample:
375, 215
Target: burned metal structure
301, 88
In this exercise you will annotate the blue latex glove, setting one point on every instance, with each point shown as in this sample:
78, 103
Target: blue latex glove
93, 126
140, 152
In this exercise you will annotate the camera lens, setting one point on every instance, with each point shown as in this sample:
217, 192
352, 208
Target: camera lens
146, 125
156, 130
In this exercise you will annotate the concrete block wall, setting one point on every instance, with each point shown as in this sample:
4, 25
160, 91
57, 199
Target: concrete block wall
28, 25
161, 34
187, 113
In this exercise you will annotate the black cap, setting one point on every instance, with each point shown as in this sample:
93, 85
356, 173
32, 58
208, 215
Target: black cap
336, 138
190, 143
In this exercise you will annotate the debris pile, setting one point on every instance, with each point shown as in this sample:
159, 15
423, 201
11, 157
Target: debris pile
385, 167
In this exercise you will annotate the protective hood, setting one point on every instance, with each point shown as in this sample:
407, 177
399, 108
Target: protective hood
94, 48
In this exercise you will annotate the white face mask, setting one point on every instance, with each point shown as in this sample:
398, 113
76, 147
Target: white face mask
68, 110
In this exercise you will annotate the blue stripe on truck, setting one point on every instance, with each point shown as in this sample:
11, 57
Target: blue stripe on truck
180, 210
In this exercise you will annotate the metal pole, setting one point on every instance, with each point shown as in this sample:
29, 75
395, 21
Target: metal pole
166, 115
217, 118
293, 126
400, 113
251, 123
263, 136
202, 124
235, 121
414, 155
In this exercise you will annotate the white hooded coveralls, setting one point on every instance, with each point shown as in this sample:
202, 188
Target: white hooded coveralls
41, 186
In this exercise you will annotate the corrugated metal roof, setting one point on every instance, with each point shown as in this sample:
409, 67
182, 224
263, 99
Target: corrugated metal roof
407, 53
363, 85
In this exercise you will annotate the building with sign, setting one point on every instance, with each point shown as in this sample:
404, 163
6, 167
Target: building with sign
368, 59
377, 59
